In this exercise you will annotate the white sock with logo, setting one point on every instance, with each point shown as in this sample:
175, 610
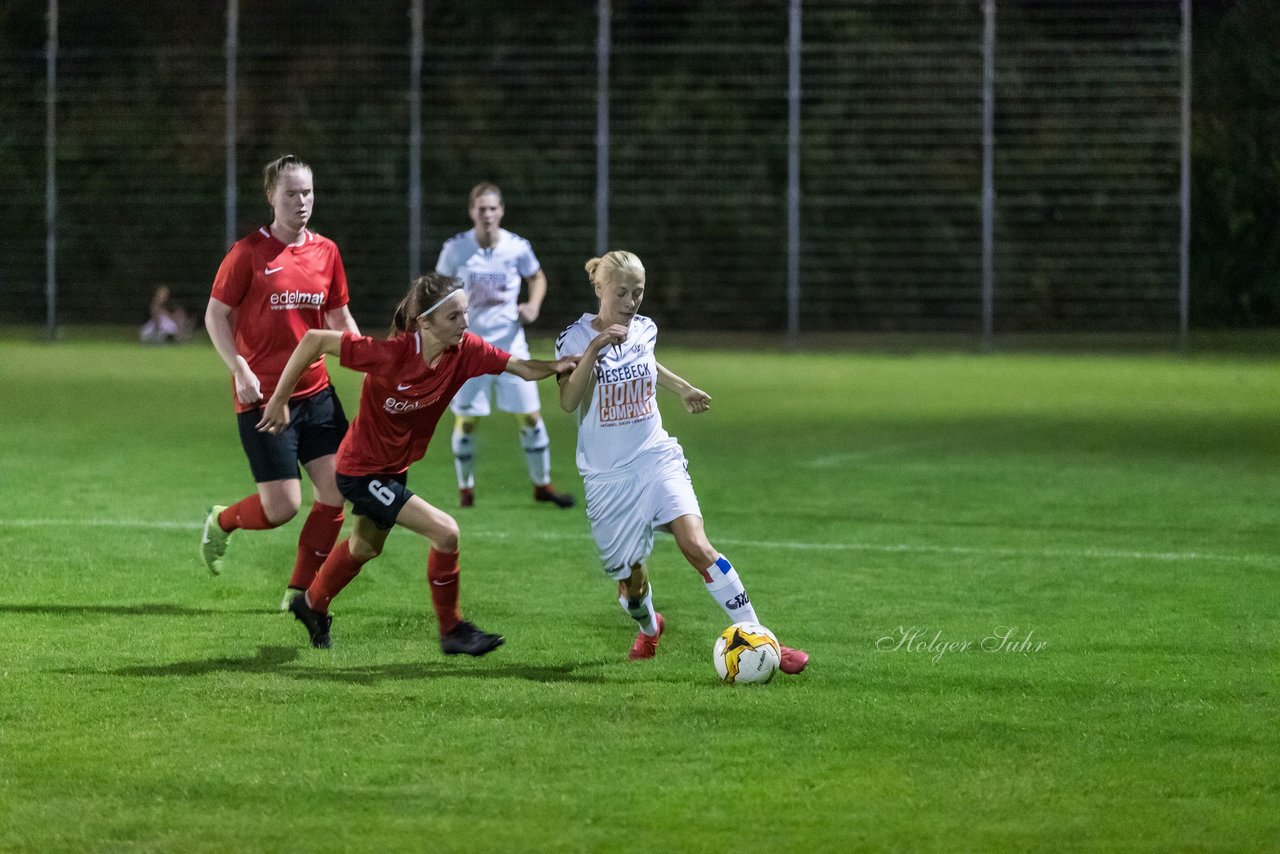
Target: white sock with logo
464, 459
726, 588
537, 452
641, 610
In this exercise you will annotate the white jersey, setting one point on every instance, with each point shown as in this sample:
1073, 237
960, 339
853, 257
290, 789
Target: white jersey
491, 278
620, 421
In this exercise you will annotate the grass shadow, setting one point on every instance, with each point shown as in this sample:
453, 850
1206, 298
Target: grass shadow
269, 659
275, 659
409, 672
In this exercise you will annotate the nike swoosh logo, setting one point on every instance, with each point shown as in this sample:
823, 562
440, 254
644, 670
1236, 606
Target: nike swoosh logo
441, 583
272, 270
404, 387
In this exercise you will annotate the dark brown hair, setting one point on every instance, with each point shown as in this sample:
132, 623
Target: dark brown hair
425, 292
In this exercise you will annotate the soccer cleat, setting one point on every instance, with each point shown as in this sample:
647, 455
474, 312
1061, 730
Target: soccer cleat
793, 660
290, 593
317, 623
466, 497
646, 646
467, 639
548, 493
213, 541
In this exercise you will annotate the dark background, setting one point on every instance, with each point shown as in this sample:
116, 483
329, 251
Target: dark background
1086, 164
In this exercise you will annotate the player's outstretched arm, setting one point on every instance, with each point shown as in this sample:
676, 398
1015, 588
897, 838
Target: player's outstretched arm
275, 415
695, 399
578, 384
538, 369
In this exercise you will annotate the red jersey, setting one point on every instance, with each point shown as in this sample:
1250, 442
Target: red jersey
277, 293
402, 398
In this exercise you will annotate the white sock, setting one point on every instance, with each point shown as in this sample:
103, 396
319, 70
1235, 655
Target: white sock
464, 459
726, 588
641, 610
537, 452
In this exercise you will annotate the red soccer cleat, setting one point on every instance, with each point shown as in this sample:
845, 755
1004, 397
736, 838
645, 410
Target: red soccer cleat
646, 646
793, 660
466, 497
563, 500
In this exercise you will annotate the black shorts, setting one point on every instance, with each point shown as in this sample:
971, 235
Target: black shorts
378, 497
316, 427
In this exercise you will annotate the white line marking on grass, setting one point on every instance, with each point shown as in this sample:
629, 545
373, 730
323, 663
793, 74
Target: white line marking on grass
784, 545
147, 524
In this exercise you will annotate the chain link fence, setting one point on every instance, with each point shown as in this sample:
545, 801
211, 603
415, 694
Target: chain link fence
661, 127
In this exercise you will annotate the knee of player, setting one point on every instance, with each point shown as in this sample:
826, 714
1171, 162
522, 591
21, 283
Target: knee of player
280, 512
446, 538
363, 550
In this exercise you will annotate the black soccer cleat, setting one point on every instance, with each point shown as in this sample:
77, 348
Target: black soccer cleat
563, 500
317, 623
467, 639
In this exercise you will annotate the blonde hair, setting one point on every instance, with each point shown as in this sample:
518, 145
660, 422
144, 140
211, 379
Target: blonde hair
425, 291
614, 265
481, 189
271, 172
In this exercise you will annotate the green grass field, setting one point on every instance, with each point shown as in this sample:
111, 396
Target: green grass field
1118, 514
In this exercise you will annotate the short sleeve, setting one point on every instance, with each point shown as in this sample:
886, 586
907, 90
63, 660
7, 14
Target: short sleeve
444, 264
483, 357
573, 341
528, 263
338, 294
235, 275
371, 355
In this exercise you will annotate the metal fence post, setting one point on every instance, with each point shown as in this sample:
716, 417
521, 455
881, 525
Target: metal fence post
793, 175
1184, 236
51, 175
988, 172
604, 40
415, 141
232, 49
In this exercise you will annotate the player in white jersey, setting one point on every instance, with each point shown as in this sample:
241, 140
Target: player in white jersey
635, 474
491, 263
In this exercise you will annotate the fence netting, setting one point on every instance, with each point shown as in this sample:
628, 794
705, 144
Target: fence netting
1086, 166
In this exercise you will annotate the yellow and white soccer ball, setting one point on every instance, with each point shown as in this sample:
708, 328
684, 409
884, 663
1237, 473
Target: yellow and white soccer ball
746, 653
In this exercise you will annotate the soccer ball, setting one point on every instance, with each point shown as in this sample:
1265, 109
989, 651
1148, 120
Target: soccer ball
746, 652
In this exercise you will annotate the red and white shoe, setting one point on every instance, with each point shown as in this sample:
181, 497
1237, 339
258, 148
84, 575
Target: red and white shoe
793, 660
646, 646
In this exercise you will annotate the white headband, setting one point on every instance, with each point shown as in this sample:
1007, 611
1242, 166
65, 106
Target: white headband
440, 302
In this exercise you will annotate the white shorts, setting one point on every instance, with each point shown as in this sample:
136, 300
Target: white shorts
514, 394
625, 507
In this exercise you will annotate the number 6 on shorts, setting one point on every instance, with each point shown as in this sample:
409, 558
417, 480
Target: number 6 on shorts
384, 494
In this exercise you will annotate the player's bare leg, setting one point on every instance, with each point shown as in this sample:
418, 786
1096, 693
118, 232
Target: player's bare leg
275, 503
635, 595
343, 564
536, 444
723, 583
464, 458
457, 636
320, 530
